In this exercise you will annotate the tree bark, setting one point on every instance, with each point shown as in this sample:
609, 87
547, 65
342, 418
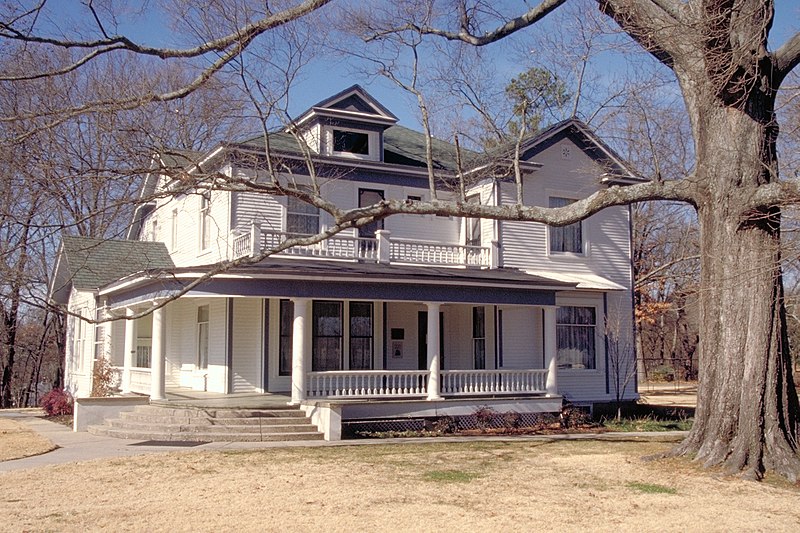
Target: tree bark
747, 412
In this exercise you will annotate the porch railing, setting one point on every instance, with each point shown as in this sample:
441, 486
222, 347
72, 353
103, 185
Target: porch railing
367, 384
471, 382
381, 249
140, 380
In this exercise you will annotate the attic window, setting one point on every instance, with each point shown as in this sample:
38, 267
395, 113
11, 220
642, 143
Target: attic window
351, 142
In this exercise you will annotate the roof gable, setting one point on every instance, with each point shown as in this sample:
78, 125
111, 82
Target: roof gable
353, 103
617, 169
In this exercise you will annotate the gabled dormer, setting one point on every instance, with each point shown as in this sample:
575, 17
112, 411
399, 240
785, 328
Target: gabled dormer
349, 124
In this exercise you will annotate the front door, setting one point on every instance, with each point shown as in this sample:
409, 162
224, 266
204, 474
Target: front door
422, 340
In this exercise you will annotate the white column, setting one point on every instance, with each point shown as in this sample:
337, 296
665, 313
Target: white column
550, 359
301, 346
157, 357
255, 239
130, 351
433, 351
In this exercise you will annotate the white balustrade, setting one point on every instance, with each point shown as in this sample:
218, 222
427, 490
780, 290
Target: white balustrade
140, 380
367, 384
347, 247
475, 382
429, 253
242, 245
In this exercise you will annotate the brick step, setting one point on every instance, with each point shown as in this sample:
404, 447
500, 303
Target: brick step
148, 426
135, 417
121, 433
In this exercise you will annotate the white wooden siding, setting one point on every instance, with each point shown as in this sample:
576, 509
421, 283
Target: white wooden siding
525, 244
522, 341
246, 342
186, 250
78, 364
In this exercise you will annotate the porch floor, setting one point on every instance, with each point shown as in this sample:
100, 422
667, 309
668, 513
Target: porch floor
242, 400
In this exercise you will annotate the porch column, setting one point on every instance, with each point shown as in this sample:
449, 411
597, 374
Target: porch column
433, 351
550, 350
157, 357
300, 347
130, 351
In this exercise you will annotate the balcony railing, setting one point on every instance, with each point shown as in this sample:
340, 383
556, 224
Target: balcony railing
381, 249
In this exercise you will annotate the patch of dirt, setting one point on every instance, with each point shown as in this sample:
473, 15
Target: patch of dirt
17, 441
65, 420
476, 486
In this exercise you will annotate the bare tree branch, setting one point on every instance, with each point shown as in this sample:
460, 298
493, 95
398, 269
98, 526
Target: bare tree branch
787, 57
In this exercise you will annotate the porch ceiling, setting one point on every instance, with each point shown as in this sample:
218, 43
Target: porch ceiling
342, 280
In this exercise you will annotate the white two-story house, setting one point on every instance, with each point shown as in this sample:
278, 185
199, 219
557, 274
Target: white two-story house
421, 310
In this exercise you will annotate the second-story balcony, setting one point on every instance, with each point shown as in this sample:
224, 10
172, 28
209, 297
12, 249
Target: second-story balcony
380, 249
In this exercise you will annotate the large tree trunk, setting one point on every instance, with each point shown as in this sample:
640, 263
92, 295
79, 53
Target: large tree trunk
747, 412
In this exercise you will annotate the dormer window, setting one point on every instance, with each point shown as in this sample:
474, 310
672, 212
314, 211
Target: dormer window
351, 142
358, 144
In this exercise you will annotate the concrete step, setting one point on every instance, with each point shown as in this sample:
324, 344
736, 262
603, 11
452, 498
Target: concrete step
216, 413
135, 417
202, 437
148, 426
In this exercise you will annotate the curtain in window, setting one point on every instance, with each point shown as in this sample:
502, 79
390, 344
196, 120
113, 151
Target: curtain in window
301, 218
479, 337
575, 335
360, 335
327, 337
285, 341
566, 238
202, 337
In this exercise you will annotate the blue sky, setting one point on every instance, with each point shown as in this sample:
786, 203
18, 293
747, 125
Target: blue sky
325, 76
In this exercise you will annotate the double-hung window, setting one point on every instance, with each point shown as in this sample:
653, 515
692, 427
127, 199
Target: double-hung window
576, 336
205, 221
326, 345
285, 344
473, 225
569, 238
479, 337
361, 336
301, 218
202, 337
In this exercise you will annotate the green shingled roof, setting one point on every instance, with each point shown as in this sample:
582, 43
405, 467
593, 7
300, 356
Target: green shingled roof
401, 146
92, 263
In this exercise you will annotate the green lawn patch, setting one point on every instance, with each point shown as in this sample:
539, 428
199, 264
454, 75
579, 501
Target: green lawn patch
450, 476
651, 488
647, 423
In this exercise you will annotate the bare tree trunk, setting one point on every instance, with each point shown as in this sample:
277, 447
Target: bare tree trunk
747, 412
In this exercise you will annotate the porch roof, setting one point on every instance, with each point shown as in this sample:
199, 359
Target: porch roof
287, 278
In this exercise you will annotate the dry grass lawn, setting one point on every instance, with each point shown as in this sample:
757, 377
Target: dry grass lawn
480, 486
17, 441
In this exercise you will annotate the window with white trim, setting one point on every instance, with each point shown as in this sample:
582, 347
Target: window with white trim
473, 225
202, 337
78, 339
302, 218
576, 330
205, 221
326, 339
173, 242
479, 337
361, 335
568, 239
285, 338
358, 144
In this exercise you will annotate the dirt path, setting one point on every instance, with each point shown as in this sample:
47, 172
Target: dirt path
482, 486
